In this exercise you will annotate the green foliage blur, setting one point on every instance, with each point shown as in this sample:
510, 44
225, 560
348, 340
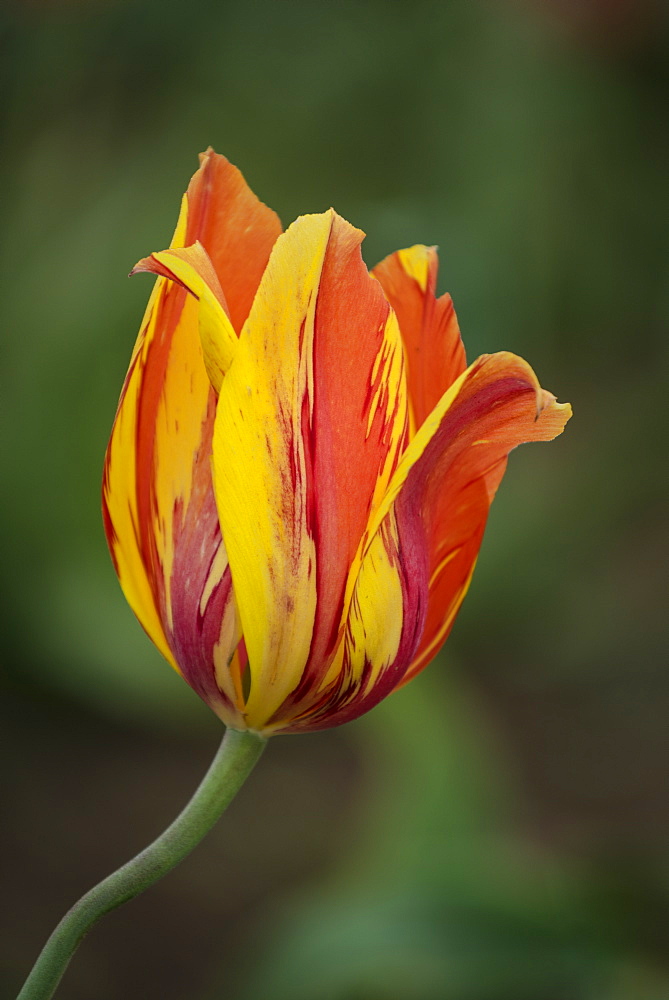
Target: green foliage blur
499, 829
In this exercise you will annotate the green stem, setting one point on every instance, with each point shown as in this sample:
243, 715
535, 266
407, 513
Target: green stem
232, 764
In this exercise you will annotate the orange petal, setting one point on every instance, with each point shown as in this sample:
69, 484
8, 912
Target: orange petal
434, 351
235, 228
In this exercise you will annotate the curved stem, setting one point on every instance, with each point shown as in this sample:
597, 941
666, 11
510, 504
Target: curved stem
236, 756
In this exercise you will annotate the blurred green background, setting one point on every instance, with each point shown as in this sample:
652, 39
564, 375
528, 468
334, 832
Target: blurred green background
498, 830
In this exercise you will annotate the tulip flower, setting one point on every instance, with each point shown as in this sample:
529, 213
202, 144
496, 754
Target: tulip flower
296, 485
302, 464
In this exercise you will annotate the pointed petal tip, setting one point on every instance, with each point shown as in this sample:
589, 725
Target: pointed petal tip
143, 266
208, 154
170, 263
339, 220
330, 220
154, 265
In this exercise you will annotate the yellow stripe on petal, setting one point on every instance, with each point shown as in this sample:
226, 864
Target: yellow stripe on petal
416, 262
192, 269
260, 478
434, 351
371, 641
122, 519
383, 628
375, 617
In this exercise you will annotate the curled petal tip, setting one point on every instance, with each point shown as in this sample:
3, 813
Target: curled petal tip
546, 399
557, 414
153, 265
565, 409
141, 267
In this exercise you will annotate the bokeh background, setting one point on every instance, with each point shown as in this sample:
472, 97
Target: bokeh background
499, 830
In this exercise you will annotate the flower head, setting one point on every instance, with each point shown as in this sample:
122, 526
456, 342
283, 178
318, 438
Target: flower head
301, 466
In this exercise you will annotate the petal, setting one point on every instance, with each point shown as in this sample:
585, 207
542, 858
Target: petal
158, 500
434, 351
192, 269
310, 424
384, 625
448, 476
235, 228
423, 540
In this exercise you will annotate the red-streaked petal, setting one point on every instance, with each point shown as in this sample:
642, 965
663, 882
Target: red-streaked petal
159, 507
429, 327
420, 556
424, 538
451, 470
383, 628
311, 420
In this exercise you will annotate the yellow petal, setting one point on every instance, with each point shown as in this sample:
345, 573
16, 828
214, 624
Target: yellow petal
259, 474
191, 268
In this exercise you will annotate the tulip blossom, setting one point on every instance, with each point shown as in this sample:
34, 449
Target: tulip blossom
302, 463
296, 486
